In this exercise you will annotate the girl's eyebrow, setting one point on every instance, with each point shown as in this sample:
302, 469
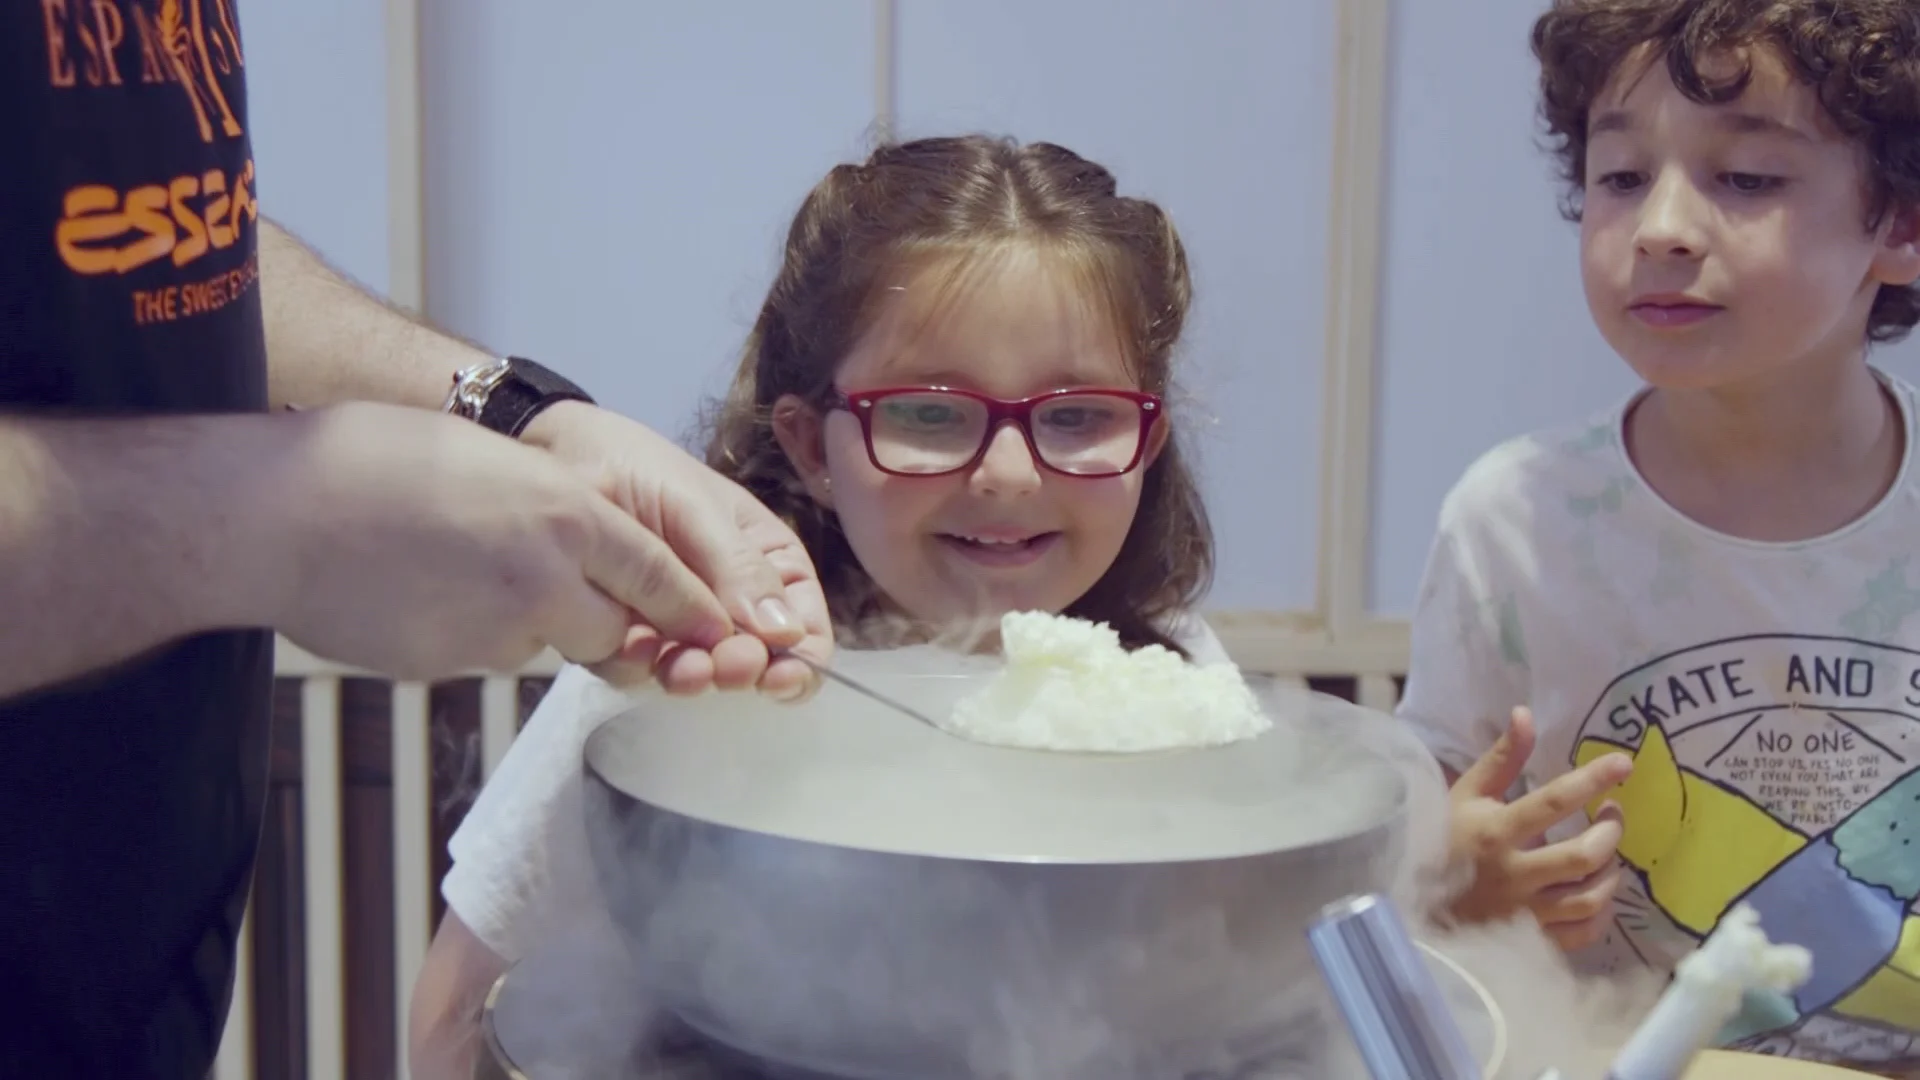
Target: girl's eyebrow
1061, 374
901, 369
1068, 378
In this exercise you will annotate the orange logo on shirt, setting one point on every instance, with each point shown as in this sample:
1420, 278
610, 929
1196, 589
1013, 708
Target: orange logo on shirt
104, 231
190, 45
98, 46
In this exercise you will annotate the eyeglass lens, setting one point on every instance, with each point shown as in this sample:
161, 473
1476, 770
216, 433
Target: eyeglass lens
933, 432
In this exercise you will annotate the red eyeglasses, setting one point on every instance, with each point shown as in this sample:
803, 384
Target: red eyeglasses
935, 430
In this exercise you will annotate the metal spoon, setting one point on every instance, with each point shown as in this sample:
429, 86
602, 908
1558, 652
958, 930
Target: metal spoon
858, 687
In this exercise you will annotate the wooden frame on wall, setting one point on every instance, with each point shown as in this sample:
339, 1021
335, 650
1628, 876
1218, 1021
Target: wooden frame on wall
1342, 634
406, 159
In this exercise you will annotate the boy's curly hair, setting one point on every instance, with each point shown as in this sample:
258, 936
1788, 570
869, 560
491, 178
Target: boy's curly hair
1862, 57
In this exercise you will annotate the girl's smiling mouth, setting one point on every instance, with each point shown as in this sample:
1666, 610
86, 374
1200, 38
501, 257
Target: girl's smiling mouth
999, 549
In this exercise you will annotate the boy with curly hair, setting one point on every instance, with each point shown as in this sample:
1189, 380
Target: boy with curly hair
1707, 598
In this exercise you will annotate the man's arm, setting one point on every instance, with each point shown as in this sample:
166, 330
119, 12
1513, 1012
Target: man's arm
117, 536
330, 341
398, 539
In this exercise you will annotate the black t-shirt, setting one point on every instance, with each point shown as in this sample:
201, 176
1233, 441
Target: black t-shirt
130, 801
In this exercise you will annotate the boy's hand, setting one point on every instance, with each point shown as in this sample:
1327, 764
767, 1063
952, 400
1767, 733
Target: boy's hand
1568, 886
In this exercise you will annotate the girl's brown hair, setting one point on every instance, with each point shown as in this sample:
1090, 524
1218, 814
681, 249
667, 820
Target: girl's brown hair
1862, 57
961, 196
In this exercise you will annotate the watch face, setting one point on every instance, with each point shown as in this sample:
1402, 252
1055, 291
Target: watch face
473, 387
494, 368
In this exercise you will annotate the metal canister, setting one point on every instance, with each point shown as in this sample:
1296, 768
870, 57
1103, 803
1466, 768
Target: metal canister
1387, 993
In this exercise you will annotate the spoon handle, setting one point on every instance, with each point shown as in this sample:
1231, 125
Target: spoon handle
827, 672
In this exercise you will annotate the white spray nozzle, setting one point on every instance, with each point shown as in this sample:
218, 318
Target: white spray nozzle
1707, 989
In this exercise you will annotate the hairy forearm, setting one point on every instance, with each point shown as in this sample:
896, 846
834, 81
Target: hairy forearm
117, 536
330, 341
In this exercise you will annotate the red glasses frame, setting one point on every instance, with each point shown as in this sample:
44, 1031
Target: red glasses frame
999, 411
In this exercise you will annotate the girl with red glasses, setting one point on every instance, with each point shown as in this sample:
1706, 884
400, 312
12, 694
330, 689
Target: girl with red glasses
955, 393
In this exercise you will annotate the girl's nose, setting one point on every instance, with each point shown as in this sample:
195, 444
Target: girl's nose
1008, 467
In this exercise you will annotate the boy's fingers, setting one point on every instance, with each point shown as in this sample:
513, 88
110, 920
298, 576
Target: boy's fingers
1567, 863
1582, 901
1579, 915
1572, 937
1500, 766
1531, 815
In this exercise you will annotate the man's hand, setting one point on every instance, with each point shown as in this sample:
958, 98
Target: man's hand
420, 545
1569, 886
746, 555
329, 342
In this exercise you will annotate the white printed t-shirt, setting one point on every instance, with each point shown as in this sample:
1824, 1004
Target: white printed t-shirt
1768, 692
523, 870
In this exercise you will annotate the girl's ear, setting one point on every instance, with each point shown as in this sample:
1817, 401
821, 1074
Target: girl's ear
798, 426
1156, 442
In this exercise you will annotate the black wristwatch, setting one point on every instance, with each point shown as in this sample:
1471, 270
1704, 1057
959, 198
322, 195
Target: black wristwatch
505, 395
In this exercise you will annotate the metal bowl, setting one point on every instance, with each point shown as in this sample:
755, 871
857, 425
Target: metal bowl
839, 888
568, 1011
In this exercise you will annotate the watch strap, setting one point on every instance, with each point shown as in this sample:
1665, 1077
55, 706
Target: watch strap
525, 391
